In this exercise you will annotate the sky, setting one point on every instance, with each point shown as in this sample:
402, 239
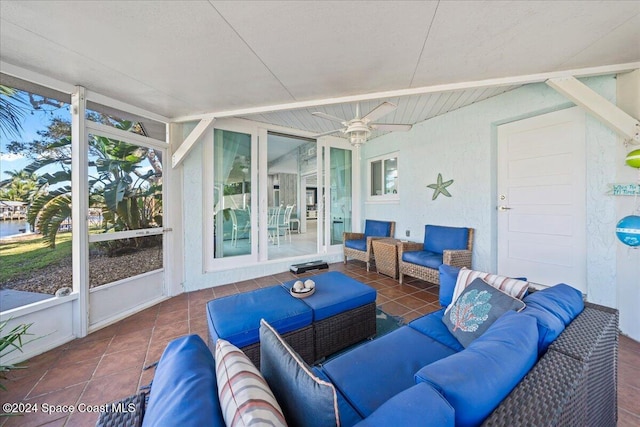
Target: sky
33, 121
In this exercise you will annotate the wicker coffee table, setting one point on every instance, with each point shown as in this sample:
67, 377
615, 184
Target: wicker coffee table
385, 252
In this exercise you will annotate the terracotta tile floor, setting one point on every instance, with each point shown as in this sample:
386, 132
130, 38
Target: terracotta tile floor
107, 365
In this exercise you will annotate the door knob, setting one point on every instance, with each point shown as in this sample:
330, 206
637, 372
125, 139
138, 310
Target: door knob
503, 208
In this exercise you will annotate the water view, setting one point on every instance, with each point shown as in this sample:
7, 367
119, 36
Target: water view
11, 228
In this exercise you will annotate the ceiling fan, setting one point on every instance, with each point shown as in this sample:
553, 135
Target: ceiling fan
358, 129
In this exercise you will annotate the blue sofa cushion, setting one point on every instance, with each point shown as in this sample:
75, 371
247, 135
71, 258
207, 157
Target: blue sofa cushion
306, 400
420, 405
476, 309
477, 379
423, 258
245, 396
448, 277
373, 228
336, 293
432, 326
372, 373
358, 244
562, 300
348, 415
438, 238
236, 318
549, 326
186, 369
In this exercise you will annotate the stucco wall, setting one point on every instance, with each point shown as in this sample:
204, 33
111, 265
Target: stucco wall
462, 145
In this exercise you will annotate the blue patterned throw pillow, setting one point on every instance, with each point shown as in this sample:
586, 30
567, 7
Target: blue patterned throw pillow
479, 305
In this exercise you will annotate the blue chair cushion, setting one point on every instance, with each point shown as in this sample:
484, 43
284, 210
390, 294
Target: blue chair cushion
448, 278
358, 244
438, 238
236, 318
306, 400
372, 373
477, 379
335, 293
423, 258
420, 405
373, 228
432, 326
186, 369
562, 300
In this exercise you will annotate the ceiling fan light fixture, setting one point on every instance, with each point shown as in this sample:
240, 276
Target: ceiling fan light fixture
358, 138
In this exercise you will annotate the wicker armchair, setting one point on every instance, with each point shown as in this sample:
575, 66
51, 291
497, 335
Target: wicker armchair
358, 245
442, 245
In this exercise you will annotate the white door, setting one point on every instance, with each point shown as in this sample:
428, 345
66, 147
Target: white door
541, 199
335, 193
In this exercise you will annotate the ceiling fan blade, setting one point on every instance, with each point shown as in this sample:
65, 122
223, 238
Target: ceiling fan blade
329, 132
379, 111
390, 126
329, 117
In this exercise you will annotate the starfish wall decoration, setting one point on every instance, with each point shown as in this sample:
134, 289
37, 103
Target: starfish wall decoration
440, 187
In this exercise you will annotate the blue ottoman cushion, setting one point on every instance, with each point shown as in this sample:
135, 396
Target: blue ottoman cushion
336, 293
236, 318
372, 373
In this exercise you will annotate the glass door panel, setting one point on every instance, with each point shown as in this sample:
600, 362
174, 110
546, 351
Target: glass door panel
232, 193
290, 194
340, 190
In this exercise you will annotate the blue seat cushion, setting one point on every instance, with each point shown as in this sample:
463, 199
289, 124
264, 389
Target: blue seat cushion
478, 378
431, 325
373, 228
438, 238
336, 293
348, 415
372, 373
420, 405
358, 244
236, 318
448, 278
423, 258
562, 300
186, 369
549, 326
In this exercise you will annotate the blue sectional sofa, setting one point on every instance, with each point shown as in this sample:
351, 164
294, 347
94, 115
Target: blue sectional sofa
553, 363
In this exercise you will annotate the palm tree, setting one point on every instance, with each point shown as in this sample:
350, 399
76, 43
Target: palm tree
20, 186
12, 109
128, 198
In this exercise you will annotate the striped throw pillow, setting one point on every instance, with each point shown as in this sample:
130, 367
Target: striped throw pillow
514, 287
245, 397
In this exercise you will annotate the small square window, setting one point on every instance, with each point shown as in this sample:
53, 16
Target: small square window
383, 178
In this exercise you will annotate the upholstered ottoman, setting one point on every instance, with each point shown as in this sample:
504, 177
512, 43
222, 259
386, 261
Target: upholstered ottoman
236, 318
344, 312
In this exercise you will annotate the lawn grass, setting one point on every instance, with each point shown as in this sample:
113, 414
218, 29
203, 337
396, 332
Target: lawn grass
19, 256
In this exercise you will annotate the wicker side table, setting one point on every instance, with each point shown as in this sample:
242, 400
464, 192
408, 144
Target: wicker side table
385, 252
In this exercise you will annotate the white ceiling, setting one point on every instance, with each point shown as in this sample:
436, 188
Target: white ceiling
184, 58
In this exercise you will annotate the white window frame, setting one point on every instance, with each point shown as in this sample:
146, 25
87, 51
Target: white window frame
382, 198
